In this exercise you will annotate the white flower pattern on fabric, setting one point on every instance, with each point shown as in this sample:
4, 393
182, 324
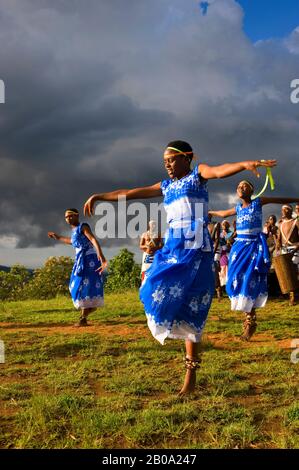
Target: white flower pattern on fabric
172, 260
86, 281
194, 305
92, 264
175, 291
206, 299
158, 295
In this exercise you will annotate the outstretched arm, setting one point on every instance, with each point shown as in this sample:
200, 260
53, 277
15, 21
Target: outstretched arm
88, 233
136, 193
223, 214
59, 238
229, 169
278, 200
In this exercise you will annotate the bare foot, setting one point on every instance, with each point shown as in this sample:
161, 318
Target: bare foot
189, 383
248, 333
82, 322
292, 299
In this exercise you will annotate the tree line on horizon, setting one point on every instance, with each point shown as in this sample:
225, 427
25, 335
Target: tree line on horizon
52, 280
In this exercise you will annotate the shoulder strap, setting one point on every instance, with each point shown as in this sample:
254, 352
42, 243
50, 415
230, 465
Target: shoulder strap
287, 238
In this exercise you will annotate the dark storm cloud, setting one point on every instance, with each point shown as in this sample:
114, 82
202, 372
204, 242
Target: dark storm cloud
95, 90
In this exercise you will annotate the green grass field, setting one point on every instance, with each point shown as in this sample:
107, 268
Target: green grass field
111, 385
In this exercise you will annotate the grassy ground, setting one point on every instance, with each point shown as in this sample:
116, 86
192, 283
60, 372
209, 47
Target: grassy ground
111, 385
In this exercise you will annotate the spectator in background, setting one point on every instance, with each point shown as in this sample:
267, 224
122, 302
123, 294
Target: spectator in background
150, 242
225, 235
271, 230
288, 238
214, 230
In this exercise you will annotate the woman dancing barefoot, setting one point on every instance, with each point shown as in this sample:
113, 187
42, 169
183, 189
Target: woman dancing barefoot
86, 283
249, 260
179, 286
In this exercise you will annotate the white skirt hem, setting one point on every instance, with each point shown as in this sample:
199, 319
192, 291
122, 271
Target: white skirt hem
94, 302
246, 304
179, 330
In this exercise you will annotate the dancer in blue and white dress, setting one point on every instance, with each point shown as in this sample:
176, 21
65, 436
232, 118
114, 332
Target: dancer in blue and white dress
176, 296
179, 285
86, 282
249, 260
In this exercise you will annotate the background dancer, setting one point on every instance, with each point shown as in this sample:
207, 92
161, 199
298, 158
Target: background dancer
86, 283
249, 261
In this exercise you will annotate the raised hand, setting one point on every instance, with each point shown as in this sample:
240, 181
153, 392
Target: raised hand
252, 165
53, 235
89, 205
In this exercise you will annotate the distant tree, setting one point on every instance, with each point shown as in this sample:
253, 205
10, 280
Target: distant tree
53, 278
50, 280
124, 273
13, 282
22, 272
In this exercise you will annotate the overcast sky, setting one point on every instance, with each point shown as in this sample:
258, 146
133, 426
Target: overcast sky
95, 90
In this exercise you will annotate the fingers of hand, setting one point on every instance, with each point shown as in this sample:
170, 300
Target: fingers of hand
86, 210
268, 163
102, 267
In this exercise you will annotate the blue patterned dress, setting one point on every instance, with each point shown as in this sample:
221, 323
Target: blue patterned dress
179, 286
86, 285
249, 260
